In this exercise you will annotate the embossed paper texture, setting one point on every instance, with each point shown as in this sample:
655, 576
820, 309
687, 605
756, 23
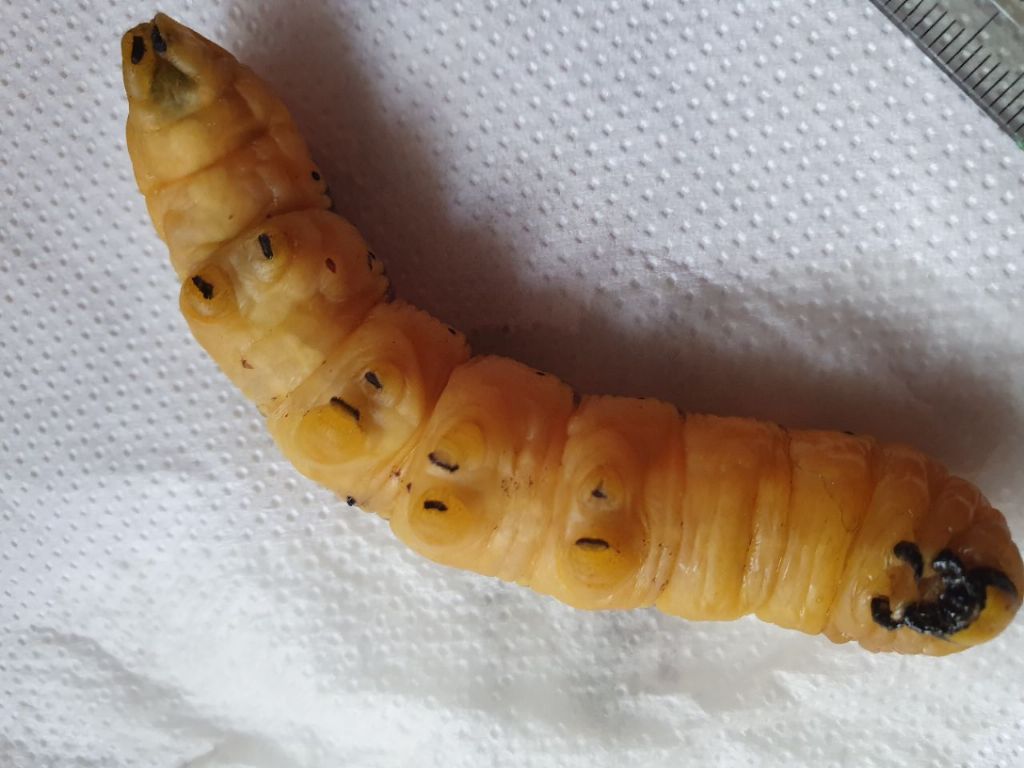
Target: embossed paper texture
774, 209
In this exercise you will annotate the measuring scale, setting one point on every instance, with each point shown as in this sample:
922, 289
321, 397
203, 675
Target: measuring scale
979, 44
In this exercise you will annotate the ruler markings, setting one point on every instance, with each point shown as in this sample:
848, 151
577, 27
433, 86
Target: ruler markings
1010, 103
988, 65
971, 38
1007, 90
932, 26
979, 66
911, 11
961, 48
925, 16
963, 63
997, 82
988, 74
942, 34
957, 37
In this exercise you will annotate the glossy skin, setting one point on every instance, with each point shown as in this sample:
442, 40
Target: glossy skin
484, 464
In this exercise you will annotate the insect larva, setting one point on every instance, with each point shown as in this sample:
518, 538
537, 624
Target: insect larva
481, 463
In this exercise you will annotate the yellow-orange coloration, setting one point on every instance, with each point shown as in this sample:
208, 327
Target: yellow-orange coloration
484, 464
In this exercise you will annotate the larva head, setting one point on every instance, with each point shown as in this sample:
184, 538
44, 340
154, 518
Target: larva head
955, 582
171, 71
351, 422
951, 607
475, 484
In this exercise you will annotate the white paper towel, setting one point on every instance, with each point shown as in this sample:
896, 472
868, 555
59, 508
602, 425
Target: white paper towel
778, 209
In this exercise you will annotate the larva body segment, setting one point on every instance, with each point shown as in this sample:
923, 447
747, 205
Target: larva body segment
734, 518
479, 484
484, 464
614, 528
830, 486
353, 423
900, 499
272, 303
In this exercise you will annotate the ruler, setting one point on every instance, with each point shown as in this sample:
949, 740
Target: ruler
977, 43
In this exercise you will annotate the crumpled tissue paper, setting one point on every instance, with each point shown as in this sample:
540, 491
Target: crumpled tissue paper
777, 209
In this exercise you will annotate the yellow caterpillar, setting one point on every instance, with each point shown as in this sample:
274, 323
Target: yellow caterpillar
484, 464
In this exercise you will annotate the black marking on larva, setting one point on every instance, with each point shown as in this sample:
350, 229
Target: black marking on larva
370, 258
159, 44
438, 506
350, 500
265, 246
389, 293
957, 606
594, 545
910, 553
598, 493
205, 288
452, 331
138, 48
848, 432
439, 462
408, 487
577, 398
329, 263
881, 613
992, 577
946, 563
315, 175
246, 364
540, 373
350, 409
372, 379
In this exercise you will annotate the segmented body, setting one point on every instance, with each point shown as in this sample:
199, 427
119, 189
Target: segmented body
485, 464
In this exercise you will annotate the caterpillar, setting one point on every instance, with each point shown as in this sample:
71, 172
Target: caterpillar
482, 463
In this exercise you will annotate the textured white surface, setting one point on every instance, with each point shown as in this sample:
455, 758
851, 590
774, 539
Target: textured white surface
776, 209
